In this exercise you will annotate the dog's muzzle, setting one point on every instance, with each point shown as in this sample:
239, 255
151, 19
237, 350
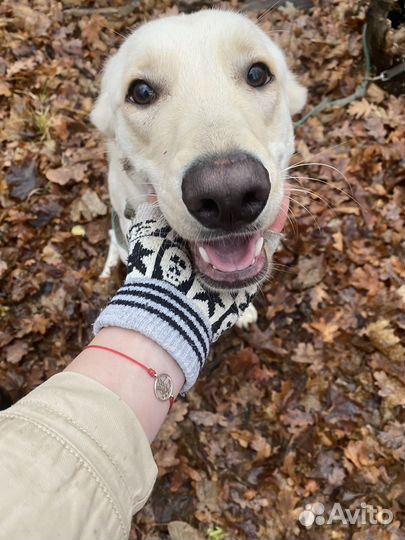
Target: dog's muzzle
226, 194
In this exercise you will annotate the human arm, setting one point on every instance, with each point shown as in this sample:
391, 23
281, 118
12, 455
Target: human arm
75, 454
132, 384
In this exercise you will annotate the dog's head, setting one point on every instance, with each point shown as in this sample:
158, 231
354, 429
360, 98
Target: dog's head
197, 108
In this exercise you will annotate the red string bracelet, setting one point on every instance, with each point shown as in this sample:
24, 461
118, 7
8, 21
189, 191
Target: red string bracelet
163, 385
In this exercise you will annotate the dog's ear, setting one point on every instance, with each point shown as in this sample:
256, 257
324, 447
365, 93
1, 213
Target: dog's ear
101, 115
103, 111
296, 94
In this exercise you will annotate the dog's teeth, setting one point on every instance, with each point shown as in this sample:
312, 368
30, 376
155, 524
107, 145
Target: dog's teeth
259, 245
204, 254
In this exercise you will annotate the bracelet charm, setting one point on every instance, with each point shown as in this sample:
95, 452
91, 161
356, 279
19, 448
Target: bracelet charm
163, 387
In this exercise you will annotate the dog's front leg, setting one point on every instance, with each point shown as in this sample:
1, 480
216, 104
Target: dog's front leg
248, 317
113, 257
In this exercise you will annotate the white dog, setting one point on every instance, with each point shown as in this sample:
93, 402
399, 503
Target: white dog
197, 111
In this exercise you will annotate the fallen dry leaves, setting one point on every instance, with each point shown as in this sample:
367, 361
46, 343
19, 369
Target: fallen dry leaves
305, 406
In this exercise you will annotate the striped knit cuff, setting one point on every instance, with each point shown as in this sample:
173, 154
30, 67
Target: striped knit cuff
160, 312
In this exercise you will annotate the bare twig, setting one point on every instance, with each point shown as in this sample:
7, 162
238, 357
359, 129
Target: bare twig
126, 9
359, 92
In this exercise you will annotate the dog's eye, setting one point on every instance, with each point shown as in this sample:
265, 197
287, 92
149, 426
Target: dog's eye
259, 75
141, 92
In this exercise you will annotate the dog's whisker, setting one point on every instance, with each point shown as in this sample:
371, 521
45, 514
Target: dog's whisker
268, 11
260, 290
123, 36
309, 164
307, 210
326, 183
282, 266
312, 194
323, 150
279, 31
292, 220
280, 269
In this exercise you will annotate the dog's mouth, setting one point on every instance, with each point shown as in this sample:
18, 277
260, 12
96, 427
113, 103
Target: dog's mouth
231, 262
236, 261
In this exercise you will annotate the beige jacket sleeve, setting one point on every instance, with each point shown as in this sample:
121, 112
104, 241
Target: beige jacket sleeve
74, 463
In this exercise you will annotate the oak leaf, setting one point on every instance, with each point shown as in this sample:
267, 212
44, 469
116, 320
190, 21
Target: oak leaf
383, 337
327, 329
390, 388
360, 108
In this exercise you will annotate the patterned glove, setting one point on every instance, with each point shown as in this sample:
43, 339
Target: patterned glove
163, 299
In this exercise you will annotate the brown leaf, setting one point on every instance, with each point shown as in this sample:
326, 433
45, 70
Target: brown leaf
97, 231
38, 323
166, 458
3, 267
207, 419
23, 180
243, 437
347, 209
63, 175
55, 301
393, 435
360, 108
358, 454
180, 530
375, 93
33, 21
327, 329
88, 206
383, 337
261, 446
4, 89
310, 272
305, 353
51, 256
366, 278
244, 360
338, 241
91, 31
329, 469
60, 126
390, 388
207, 495
28, 64
296, 420
5, 338
318, 294
16, 351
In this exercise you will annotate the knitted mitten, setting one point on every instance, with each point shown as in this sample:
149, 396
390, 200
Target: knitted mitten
163, 299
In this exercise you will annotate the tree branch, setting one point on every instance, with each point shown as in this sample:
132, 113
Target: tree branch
126, 9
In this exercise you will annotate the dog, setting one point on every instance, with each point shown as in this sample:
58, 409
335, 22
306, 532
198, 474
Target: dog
196, 110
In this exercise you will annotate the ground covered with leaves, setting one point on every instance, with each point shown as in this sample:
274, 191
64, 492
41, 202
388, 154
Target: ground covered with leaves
317, 415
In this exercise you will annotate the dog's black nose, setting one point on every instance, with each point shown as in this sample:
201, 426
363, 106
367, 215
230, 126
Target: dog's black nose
226, 192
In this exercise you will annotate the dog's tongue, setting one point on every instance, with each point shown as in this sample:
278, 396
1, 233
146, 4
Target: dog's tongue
233, 254
278, 224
